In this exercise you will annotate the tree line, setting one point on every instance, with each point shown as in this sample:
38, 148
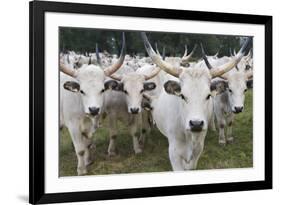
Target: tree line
82, 40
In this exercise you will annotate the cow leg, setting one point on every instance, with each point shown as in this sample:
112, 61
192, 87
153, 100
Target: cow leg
212, 123
146, 127
87, 127
88, 160
229, 134
198, 146
112, 136
175, 157
135, 125
220, 118
221, 126
80, 148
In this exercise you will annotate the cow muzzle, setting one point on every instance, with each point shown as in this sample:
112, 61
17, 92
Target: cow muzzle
134, 110
238, 109
94, 111
196, 125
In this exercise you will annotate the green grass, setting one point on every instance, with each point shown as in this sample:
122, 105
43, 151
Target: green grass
155, 155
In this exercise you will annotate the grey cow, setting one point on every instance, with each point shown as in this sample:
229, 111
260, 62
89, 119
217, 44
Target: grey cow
230, 94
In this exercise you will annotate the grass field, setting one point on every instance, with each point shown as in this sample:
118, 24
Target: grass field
155, 155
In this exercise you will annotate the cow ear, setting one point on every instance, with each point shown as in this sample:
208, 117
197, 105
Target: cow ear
72, 86
111, 85
172, 87
145, 104
219, 86
149, 86
248, 67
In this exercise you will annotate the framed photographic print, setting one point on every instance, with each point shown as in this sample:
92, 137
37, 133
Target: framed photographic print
130, 102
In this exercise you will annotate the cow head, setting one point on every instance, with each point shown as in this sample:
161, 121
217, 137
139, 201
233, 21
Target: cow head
237, 84
134, 85
90, 83
193, 91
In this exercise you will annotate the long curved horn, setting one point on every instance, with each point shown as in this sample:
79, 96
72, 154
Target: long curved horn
217, 53
68, 71
187, 58
249, 54
98, 55
110, 70
232, 63
163, 53
234, 52
116, 76
68, 61
249, 74
156, 48
185, 51
205, 57
230, 52
157, 59
153, 73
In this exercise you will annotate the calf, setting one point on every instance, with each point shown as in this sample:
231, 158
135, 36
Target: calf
230, 95
125, 103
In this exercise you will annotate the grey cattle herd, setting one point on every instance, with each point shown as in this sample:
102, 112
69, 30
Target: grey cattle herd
182, 99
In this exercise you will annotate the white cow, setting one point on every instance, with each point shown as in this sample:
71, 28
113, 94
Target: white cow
125, 103
230, 96
184, 108
81, 102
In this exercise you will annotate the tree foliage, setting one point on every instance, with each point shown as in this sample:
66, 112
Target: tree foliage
83, 40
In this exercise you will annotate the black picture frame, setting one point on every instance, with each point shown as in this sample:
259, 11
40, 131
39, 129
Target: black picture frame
37, 11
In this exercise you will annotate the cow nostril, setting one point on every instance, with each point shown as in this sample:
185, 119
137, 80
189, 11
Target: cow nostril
134, 110
94, 110
238, 109
196, 125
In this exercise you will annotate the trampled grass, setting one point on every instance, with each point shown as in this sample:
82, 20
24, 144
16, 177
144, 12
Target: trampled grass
155, 155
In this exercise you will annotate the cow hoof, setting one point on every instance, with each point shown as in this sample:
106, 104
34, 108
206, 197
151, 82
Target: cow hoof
230, 140
92, 146
89, 162
141, 144
138, 151
82, 172
222, 142
112, 154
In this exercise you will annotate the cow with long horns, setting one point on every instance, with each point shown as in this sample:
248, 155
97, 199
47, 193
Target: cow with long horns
230, 93
125, 103
184, 108
81, 102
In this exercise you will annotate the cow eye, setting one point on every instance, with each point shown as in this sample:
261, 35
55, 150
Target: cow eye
183, 97
125, 91
208, 97
102, 90
230, 90
142, 91
245, 90
82, 92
